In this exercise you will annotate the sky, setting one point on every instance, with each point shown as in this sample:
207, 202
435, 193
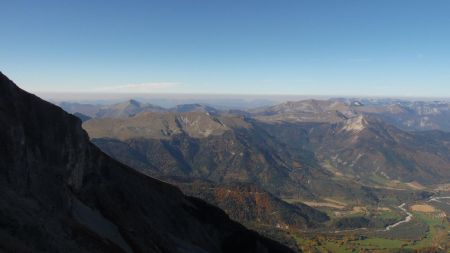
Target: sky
303, 47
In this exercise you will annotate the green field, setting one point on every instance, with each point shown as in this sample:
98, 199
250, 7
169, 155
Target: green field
425, 231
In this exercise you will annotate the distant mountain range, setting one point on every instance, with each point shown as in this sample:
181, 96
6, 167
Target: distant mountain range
270, 160
128, 108
405, 115
273, 159
279, 142
60, 193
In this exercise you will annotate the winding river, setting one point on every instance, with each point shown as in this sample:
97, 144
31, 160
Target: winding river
408, 218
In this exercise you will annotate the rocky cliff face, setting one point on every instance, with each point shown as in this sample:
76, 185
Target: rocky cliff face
59, 193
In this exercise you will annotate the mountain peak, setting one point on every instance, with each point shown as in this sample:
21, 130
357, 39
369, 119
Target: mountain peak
355, 124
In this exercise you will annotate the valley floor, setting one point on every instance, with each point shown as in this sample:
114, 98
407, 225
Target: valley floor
424, 227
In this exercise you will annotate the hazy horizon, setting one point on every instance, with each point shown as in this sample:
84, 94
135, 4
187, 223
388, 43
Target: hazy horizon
76, 96
220, 101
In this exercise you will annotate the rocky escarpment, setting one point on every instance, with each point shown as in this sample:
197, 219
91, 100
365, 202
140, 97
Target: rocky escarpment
59, 193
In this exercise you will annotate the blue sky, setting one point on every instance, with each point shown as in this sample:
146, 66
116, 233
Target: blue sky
315, 47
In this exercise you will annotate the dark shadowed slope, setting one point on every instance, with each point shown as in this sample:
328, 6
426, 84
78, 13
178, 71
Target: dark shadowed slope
59, 193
